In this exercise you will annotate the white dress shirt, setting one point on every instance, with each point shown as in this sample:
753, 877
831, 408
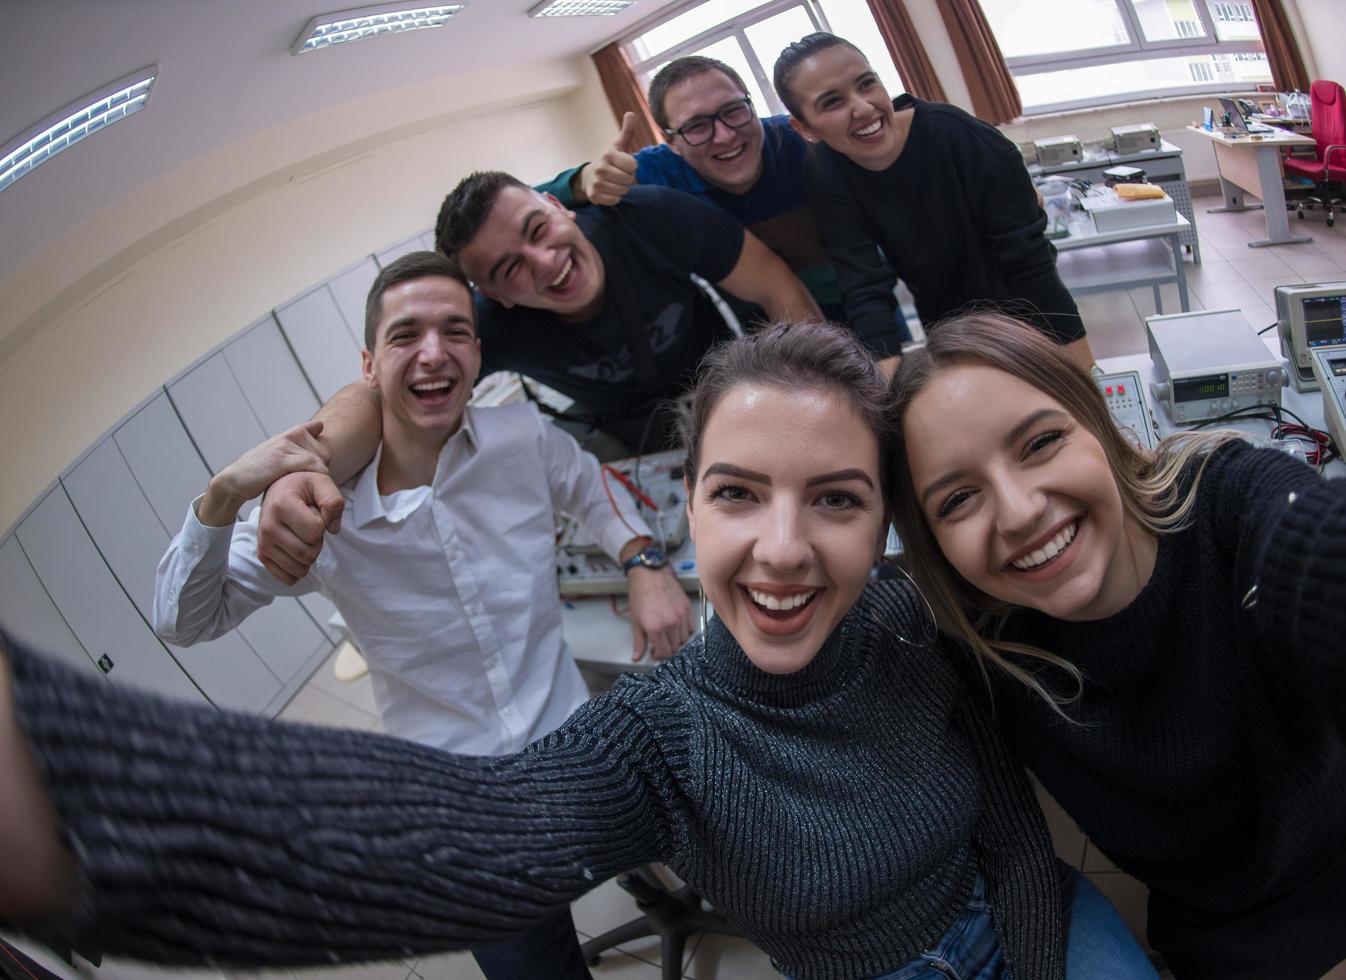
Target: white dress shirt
451, 597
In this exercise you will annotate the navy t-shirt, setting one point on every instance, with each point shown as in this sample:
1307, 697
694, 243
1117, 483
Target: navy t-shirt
650, 244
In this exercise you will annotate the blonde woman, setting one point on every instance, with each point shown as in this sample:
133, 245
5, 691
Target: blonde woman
1178, 618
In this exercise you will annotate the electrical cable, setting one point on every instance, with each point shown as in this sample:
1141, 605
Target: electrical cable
1325, 449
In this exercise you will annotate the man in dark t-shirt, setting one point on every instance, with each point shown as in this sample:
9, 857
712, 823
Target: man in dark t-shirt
601, 304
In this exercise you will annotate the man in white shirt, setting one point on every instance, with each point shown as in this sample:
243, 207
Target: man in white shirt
444, 569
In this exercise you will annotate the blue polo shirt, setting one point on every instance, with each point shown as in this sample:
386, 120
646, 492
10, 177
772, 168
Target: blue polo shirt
775, 209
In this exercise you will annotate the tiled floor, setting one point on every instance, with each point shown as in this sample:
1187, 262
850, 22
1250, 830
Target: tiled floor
1231, 275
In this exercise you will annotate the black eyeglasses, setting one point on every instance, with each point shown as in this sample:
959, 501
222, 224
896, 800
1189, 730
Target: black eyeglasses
735, 115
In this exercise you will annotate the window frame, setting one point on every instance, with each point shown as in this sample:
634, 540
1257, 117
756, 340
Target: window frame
735, 27
1138, 48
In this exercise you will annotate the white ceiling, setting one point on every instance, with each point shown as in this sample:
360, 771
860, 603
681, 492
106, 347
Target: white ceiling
226, 72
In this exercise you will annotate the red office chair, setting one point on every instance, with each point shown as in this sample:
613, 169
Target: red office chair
1328, 166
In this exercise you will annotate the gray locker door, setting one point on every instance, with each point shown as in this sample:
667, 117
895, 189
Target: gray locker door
132, 541
350, 289
327, 350
28, 614
163, 461
269, 375
93, 604
216, 413
169, 470
281, 397
424, 241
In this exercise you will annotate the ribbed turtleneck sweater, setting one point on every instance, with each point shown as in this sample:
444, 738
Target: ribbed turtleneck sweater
1208, 757
837, 815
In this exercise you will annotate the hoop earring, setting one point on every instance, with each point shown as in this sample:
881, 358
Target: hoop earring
933, 632
702, 591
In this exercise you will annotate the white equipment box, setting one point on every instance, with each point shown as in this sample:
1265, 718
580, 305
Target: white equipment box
1058, 150
1111, 213
1136, 138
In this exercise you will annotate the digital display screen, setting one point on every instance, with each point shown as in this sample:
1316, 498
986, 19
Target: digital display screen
1325, 320
1196, 389
1338, 366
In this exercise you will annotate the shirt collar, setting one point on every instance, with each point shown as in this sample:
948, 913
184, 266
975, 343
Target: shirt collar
363, 489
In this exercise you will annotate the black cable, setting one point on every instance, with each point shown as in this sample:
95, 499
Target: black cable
1275, 414
1265, 329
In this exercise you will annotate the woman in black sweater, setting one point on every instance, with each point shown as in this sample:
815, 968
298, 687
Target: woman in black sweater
811, 764
1179, 619
922, 192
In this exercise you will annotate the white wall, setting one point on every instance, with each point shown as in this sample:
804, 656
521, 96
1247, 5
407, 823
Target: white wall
1323, 24
140, 290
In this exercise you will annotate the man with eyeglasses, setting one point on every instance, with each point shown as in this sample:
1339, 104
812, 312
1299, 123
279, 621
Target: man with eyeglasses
720, 151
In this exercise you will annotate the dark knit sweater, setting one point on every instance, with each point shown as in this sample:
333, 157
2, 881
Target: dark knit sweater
956, 218
1210, 761
837, 815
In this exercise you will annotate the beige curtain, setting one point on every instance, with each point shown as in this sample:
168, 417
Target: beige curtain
624, 95
995, 98
1287, 66
918, 75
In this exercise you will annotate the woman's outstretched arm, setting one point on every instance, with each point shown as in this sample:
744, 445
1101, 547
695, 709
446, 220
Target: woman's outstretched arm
203, 836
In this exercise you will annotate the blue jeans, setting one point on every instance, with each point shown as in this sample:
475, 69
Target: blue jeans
1099, 946
968, 950
549, 949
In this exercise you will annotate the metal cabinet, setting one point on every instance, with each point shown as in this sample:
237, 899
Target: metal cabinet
216, 413
165, 464
325, 327
265, 369
131, 540
28, 614
93, 604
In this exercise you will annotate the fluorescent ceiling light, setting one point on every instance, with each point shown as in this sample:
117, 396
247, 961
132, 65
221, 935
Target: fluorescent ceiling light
66, 127
579, 8
326, 30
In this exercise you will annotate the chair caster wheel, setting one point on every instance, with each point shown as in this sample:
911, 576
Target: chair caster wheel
594, 960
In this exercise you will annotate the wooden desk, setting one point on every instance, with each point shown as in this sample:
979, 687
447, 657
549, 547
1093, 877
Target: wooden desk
1253, 164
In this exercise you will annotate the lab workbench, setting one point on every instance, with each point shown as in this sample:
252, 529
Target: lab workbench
1091, 261
1163, 167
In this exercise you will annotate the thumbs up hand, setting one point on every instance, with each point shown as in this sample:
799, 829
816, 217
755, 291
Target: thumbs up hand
607, 179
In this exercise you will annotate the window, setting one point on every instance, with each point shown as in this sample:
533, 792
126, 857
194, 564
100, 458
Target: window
1067, 54
1233, 12
748, 35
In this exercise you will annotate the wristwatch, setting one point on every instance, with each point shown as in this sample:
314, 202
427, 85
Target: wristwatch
652, 556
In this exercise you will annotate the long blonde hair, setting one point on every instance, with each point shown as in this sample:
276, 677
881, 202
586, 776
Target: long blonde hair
1149, 482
